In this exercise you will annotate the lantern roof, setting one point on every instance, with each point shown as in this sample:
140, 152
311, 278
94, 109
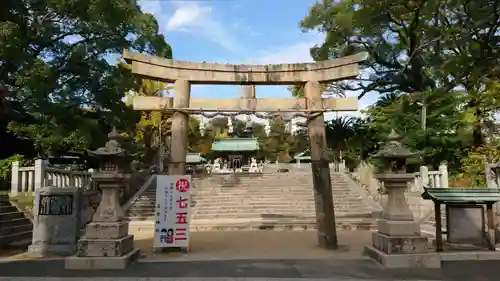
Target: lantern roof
112, 146
393, 149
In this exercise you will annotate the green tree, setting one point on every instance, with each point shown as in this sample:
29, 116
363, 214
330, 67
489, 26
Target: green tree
278, 145
388, 31
470, 57
446, 133
441, 56
54, 69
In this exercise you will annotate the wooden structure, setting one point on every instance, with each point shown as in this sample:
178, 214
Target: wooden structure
236, 151
466, 201
310, 75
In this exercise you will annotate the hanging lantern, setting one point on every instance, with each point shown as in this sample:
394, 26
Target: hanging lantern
230, 129
267, 127
202, 125
288, 127
294, 126
249, 127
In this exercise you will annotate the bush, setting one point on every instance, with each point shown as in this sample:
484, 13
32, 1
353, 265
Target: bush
473, 165
6, 168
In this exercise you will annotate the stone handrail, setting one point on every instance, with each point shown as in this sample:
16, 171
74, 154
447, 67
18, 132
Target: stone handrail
365, 176
151, 181
435, 179
28, 179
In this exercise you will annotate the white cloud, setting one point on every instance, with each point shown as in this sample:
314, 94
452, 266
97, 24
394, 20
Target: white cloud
244, 28
188, 16
150, 6
291, 53
238, 5
300, 52
294, 53
197, 19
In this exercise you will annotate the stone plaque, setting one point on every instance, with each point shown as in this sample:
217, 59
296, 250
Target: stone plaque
56, 221
465, 224
56, 205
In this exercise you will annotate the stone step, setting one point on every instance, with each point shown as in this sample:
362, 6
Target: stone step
289, 203
306, 194
256, 208
14, 221
12, 229
255, 204
275, 182
244, 224
311, 216
277, 196
273, 204
11, 215
18, 239
7, 208
280, 194
267, 188
245, 197
266, 185
262, 212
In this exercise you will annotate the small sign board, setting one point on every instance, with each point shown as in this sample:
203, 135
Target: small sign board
466, 224
173, 211
55, 205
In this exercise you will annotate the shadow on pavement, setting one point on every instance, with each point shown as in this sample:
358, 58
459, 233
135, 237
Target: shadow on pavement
331, 268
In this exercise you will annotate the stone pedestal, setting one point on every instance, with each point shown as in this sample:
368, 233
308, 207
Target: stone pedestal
106, 243
56, 221
398, 242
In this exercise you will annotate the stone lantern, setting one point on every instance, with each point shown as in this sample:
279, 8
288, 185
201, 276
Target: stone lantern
398, 242
106, 243
114, 169
393, 156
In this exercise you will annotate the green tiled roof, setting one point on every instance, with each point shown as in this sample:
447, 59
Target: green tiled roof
463, 195
193, 158
238, 144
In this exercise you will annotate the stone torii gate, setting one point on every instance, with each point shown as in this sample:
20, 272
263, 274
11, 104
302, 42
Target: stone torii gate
184, 74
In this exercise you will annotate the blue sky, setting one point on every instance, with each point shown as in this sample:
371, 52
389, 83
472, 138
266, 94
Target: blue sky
237, 31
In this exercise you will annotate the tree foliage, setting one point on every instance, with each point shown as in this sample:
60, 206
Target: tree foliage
432, 62
57, 83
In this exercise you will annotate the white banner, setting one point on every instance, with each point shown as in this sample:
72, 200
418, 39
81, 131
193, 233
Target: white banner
173, 210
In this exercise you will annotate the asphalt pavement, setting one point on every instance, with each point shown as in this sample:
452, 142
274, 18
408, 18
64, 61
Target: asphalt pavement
282, 270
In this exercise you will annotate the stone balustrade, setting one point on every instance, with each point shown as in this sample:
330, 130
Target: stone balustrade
434, 179
28, 179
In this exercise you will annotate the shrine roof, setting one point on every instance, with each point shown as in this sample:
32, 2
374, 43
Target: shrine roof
462, 195
194, 158
236, 144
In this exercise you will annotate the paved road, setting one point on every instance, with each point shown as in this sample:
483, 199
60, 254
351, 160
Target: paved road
179, 279
331, 269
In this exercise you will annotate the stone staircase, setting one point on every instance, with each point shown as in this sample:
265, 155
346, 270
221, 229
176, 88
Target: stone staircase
270, 200
15, 229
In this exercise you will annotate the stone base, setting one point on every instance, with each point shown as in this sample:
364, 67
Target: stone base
41, 250
106, 230
105, 247
399, 228
97, 263
400, 244
417, 260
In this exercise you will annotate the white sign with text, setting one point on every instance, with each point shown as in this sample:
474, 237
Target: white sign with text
173, 210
